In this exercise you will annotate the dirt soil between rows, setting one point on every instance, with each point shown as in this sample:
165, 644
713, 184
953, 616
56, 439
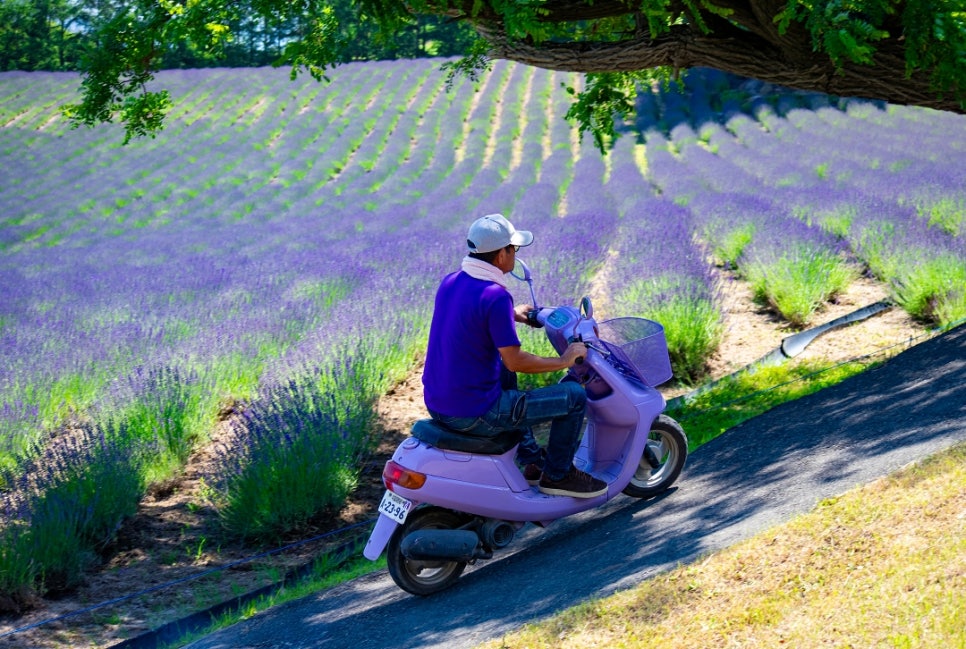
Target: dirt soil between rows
166, 562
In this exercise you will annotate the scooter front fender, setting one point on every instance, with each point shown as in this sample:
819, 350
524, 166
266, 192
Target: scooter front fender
379, 538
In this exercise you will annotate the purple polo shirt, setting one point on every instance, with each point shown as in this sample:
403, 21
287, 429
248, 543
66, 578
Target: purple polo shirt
471, 320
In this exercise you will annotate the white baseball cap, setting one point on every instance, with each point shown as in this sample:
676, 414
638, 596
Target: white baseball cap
492, 232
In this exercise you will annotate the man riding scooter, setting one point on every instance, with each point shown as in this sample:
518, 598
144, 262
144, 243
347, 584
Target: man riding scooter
454, 490
472, 335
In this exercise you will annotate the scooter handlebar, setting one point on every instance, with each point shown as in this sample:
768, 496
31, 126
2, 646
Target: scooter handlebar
532, 318
563, 326
576, 339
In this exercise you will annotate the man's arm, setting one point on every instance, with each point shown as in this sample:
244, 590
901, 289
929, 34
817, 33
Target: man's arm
517, 360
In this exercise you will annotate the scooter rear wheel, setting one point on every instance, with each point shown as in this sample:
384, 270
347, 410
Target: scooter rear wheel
668, 446
418, 576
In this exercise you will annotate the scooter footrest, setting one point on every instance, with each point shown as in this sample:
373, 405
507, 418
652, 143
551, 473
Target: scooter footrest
435, 434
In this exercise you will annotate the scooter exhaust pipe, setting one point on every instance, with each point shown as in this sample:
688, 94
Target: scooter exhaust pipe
497, 534
448, 545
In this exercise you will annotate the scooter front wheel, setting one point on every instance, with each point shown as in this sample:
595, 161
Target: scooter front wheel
662, 460
420, 576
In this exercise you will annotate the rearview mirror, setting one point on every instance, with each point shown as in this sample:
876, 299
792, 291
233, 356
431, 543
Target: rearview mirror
521, 271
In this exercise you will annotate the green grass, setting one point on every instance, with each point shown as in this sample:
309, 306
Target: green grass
235, 376
298, 463
173, 410
692, 323
933, 289
947, 214
798, 282
52, 404
929, 286
297, 452
729, 243
693, 328
835, 221
535, 341
874, 244
97, 482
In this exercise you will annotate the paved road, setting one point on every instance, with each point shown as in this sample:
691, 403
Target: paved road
755, 476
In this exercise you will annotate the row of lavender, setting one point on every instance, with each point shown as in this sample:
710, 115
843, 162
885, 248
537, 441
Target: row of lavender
803, 192
275, 249
273, 256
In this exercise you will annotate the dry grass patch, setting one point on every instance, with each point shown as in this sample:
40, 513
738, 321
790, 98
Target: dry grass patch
881, 566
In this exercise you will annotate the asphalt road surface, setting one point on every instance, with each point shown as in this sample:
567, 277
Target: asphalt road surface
753, 477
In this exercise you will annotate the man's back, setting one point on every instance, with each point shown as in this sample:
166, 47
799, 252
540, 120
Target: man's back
472, 318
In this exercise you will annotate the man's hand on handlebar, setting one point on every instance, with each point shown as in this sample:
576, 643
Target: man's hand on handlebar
526, 314
575, 352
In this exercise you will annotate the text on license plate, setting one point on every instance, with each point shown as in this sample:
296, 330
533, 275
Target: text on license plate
395, 507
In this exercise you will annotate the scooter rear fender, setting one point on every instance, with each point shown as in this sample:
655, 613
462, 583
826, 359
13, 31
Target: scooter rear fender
379, 538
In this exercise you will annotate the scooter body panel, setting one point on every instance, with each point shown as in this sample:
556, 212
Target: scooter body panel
490, 486
617, 424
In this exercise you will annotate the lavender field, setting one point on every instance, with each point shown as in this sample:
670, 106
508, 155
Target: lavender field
273, 253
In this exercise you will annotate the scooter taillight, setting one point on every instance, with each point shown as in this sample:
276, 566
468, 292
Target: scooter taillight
395, 474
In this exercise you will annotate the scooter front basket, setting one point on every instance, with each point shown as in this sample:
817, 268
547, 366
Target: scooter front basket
639, 344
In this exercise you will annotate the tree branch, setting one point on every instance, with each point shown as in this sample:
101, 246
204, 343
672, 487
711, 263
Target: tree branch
683, 48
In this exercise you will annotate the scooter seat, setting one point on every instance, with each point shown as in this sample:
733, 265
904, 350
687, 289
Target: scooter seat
435, 434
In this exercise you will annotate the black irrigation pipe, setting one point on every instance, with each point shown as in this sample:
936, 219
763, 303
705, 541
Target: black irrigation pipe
172, 631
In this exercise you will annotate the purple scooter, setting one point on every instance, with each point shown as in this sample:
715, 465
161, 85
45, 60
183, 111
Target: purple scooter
452, 499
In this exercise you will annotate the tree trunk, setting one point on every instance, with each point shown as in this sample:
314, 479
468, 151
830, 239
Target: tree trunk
793, 64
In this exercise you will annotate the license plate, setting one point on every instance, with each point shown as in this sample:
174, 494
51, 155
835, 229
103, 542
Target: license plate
395, 507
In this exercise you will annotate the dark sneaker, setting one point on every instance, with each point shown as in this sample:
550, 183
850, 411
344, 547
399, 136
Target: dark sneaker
532, 473
576, 484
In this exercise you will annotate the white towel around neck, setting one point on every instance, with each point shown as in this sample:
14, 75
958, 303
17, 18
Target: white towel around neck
481, 270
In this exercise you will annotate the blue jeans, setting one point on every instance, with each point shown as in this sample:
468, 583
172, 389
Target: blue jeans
562, 404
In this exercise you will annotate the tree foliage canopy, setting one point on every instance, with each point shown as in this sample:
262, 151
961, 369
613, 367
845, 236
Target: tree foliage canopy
901, 51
